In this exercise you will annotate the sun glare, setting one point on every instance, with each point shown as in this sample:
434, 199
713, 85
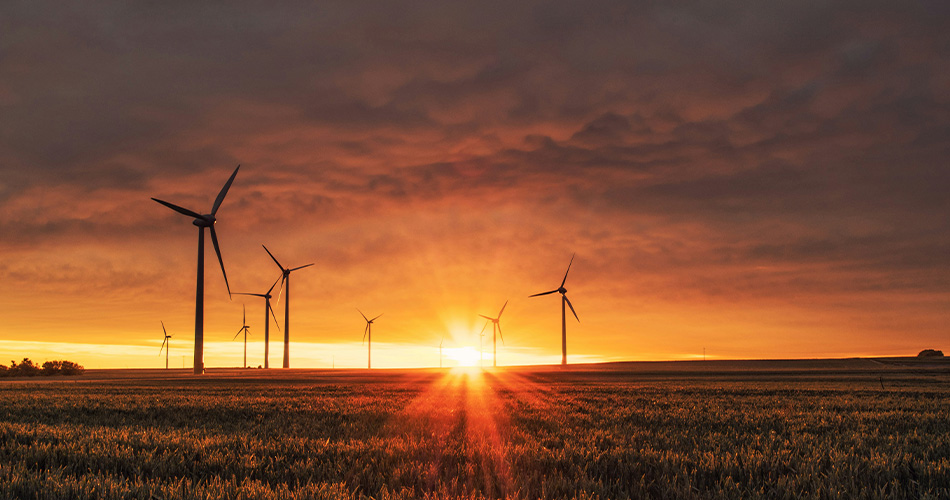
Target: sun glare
463, 356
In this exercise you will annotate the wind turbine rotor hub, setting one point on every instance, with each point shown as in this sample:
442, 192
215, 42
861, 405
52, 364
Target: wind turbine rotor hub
562, 290
206, 220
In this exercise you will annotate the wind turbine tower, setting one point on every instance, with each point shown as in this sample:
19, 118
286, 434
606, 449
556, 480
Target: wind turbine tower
285, 285
564, 300
267, 307
243, 329
204, 221
165, 345
495, 325
368, 338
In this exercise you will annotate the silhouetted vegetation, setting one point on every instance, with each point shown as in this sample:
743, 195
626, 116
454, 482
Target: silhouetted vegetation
930, 353
28, 368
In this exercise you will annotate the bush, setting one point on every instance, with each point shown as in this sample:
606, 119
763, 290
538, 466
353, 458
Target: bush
930, 353
26, 368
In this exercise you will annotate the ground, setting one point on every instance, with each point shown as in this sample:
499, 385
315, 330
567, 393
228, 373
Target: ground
856, 428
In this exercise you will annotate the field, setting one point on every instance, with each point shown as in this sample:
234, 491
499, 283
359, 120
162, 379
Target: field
856, 428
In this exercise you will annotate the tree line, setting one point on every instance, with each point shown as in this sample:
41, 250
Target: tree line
27, 368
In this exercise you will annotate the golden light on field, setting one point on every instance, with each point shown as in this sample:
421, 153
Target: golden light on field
769, 204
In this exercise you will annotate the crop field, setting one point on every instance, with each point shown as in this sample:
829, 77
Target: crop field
768, 429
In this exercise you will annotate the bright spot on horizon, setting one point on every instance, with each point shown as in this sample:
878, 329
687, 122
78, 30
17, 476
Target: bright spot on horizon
463, 356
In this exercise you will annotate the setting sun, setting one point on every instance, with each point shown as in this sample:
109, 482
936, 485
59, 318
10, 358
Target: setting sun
463, 356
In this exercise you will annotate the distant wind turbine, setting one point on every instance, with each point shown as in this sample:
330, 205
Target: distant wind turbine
243, 329
368, 338
267, 296
564, 300
165, 345
481, 354
495, 324
285, 285
203, 221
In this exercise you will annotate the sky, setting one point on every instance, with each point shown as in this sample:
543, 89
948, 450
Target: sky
749, 179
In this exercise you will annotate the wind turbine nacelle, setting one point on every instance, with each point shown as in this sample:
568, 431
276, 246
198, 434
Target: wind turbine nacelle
207, 220
562, 290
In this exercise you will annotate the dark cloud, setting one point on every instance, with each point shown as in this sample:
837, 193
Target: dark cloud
725, 150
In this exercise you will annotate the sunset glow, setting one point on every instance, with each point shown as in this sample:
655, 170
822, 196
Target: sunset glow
759, 180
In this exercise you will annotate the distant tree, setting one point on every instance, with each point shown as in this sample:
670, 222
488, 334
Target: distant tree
51, 367
26, 368
930, 353
70, 368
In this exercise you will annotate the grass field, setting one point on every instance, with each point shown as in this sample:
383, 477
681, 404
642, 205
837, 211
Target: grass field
754, 429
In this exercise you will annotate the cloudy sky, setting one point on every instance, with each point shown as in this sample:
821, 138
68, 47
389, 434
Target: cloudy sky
759, 179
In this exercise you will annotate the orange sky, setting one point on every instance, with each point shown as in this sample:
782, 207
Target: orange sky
762, 181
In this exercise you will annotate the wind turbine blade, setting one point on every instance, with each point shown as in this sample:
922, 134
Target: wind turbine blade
486, 317
281, 289
275, 258
276, 323
224, 191
244, 321
363, 315
238, 333
374, 319
217, 250
275, 284
365, 332
180, 210
163, 346
484, 327
301, 267
163, 329
502, 309
572, 308
568, 270
252, 294
500, 335
540, 294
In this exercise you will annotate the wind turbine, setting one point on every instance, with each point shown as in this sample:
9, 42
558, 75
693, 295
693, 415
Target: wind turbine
165, 345
203, 221
244, 329
267, 307
564, 300
495, 324
368, 335
481, 354
285, 282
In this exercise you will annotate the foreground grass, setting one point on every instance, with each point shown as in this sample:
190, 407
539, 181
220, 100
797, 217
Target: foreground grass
467, 435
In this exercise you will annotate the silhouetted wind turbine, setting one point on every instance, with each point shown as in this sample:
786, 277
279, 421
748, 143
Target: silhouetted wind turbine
203, 221
244, 329
495, 324
481, 354
285, 282
165, 345
564, 299
368, 336
267, 307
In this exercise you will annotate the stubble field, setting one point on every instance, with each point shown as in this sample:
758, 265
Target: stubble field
769, 429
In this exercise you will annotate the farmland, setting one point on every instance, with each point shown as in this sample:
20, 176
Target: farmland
757, 429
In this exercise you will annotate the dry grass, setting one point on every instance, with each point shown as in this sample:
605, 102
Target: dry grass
818, 429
